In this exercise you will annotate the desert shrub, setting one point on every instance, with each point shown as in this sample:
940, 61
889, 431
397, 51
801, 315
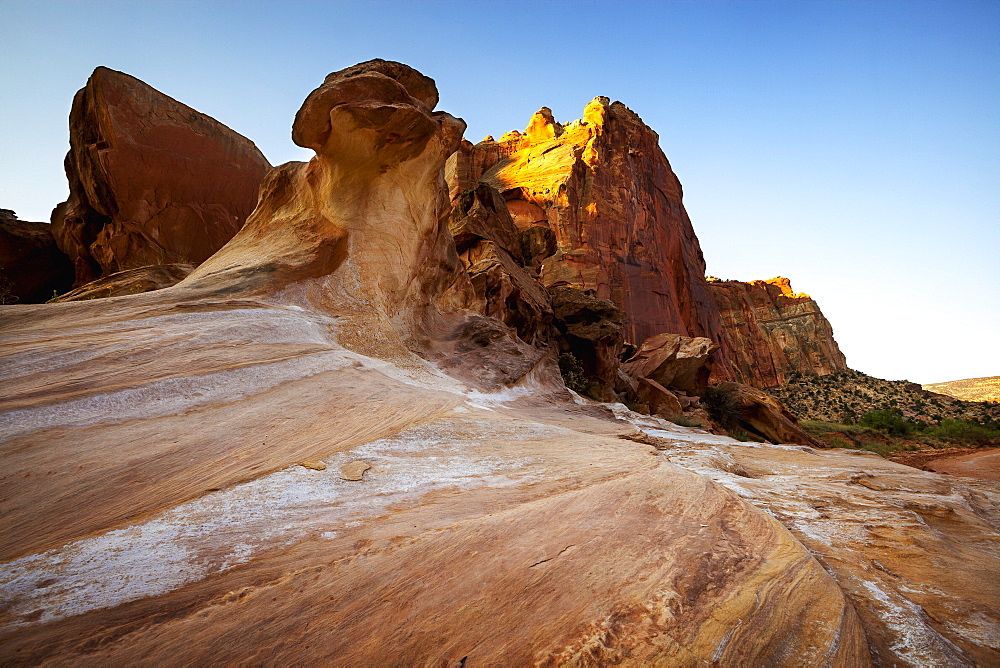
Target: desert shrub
724, 407
685, 421
7, 295
961, 431
838, 442
572, 373
889, 421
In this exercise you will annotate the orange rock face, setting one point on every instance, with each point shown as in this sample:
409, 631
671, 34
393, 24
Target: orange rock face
770, 331
606, 190
151, 180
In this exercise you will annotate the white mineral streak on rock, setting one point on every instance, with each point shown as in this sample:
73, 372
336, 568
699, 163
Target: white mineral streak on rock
840, 504
221, 530
170, 396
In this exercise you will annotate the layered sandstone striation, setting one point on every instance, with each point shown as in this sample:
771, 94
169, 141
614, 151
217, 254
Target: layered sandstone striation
151, 180
130, 282
606, 191
772, 332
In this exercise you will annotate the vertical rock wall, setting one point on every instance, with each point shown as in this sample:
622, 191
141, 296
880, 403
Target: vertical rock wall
606, 190
771, 332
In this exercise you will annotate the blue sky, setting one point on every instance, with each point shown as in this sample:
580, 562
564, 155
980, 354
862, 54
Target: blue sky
851, 146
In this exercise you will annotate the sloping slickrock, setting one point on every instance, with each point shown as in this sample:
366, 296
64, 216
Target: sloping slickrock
31, 265
151, 180
604, 187
130, 282
917, 553
772, 332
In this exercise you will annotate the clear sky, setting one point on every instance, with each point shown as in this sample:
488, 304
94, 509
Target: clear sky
851, 146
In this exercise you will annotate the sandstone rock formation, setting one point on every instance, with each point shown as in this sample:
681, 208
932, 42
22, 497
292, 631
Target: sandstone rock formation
770, 332
763, 415
151, 180
31, 265
130, 282
673, 361
916, 553
604, 188
156, 508
493, 253
591, 330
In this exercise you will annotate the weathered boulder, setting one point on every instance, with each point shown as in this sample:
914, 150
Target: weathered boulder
764, 415
673, 361
605, 189
130, 282
32, 267
151, 180
390, 271
658, 399
591, 330
771, 332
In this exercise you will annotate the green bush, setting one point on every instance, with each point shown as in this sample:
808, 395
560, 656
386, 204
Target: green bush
572, 373
961, 431
889, 421
724, 407
685, 421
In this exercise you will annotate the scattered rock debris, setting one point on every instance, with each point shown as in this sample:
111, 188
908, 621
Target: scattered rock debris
354, 470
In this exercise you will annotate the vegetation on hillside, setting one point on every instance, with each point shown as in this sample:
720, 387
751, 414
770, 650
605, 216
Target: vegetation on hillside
850, 409
846, 396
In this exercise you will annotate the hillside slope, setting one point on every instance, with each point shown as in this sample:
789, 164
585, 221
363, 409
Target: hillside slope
847, 395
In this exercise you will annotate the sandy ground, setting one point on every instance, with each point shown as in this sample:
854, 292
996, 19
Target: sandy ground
983, 464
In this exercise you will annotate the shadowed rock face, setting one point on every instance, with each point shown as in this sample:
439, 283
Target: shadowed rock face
31, 265
151, 180
771, 332
604, 187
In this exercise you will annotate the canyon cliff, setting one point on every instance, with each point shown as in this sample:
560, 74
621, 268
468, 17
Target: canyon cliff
772, 332
331, 442
605, 189
151, 180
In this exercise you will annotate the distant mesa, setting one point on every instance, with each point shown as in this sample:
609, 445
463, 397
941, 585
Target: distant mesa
986, 388
152, 181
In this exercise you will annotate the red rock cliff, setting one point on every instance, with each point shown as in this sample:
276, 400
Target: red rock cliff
151, 180
604, 186
771, 332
